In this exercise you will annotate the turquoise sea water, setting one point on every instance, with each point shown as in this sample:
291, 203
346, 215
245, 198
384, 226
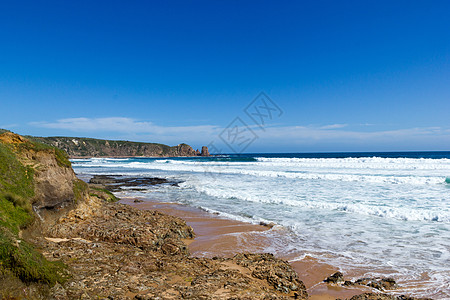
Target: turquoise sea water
385, 213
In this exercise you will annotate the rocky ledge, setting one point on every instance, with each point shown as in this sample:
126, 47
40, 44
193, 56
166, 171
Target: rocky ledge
118, 252
377, 283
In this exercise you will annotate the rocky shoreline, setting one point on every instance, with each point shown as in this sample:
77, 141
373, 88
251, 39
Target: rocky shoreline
118, 252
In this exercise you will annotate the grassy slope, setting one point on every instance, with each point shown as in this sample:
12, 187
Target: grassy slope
17, 257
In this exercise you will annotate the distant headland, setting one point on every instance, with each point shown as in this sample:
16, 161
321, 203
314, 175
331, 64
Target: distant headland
88, 147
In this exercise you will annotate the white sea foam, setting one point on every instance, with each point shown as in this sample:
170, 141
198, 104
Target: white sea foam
395, 173
400, 213
365, 162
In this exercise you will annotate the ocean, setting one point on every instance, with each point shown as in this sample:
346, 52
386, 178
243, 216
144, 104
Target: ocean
371, 214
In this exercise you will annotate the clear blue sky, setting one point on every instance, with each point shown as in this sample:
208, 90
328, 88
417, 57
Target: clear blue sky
347, 75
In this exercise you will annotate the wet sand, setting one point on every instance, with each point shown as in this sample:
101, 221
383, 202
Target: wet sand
216, 236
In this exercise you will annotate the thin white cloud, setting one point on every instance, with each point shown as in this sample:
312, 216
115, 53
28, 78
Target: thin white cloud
334, 126
122, 125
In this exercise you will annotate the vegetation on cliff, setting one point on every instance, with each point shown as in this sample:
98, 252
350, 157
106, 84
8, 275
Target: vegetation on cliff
103, 194
19, 169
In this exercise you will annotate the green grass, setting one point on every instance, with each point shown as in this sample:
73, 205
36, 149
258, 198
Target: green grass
21, 259
16, 195
15, 178
15, 213
109, 198
80, 190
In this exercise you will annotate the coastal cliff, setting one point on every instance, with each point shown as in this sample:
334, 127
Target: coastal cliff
37, 184
88, 147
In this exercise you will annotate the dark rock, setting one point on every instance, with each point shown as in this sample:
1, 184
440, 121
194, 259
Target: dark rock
270, 225
378, 283
363, 281
114, 183
278, 273
388, 283
373, 296
102, 179
403, 297
336, 278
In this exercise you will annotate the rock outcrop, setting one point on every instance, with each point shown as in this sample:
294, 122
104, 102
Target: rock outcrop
276, 272
184, 150
121, 224
87, 147
205, 151
116, 251
375, 296
380, 284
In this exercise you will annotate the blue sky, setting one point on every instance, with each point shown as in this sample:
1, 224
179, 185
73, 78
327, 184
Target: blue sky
346, 75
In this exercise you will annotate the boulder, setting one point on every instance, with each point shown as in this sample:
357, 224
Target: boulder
336, 278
